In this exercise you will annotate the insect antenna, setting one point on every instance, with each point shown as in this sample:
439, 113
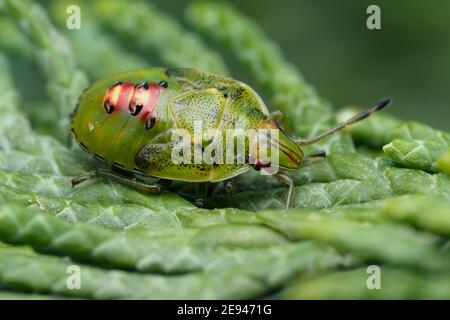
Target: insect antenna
358, 117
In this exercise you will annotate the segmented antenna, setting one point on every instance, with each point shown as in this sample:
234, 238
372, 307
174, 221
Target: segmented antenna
356, 118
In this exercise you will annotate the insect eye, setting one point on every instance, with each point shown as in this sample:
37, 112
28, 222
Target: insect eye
109, 107
135, 109
164, 84
150, 123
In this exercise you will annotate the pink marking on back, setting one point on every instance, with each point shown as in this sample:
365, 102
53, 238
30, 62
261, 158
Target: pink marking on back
117, 97
126, 94
152, 98
138, 99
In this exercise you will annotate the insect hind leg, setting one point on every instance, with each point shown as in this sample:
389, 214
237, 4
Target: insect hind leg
290, 184
128, 181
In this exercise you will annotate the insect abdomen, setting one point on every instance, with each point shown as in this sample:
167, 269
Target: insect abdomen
113, 123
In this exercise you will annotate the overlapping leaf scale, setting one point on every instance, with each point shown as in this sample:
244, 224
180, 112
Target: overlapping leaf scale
53, 55
379, 242
114, 57
415, 145
343, 179
353, 284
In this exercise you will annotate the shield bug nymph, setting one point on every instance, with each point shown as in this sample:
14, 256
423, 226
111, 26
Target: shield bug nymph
128, 121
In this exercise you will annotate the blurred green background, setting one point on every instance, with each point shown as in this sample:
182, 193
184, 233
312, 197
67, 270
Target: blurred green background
408, 59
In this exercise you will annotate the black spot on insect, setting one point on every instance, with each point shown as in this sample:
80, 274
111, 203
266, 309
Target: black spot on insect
163, 84
142, 85
118, 83
135, 109
150, 123
109, 107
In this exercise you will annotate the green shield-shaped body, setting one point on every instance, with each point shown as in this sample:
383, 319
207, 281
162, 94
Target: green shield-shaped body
130, 120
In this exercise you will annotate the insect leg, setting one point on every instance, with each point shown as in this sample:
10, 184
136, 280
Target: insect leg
101, 173
201, 194
229, 190
290, 184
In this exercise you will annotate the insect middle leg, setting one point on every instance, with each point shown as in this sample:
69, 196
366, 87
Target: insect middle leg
229, 190
201, 194
128, 181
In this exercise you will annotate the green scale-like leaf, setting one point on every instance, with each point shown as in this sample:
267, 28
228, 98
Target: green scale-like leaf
153, 31
418, 146
351, 210
381, 241
395, 284
343, 179
114, 58
48, 275
53, 55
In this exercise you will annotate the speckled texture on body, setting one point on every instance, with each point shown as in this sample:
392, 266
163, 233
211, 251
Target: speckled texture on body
121, 136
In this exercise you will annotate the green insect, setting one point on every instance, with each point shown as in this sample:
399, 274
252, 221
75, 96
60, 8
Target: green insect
128, 121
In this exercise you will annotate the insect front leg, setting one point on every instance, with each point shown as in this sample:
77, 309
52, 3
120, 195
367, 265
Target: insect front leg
290, 184
201, 194
229, 190
131, 182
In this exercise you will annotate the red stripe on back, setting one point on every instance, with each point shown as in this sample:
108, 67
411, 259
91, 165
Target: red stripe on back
151, 101
123, 95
